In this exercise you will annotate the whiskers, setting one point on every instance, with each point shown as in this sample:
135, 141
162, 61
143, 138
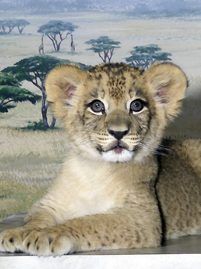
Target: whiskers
161, 150
104, 139
107, 142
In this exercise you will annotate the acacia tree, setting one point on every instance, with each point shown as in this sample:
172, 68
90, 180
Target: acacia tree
7, 26
57, 31
34, 69
144, 56
21, 24
104, 47
12, 93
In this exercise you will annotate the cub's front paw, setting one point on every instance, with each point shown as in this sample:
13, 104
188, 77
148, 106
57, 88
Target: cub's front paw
11, 240
48, 242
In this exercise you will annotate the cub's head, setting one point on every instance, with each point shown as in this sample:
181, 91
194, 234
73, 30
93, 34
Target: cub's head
115, 112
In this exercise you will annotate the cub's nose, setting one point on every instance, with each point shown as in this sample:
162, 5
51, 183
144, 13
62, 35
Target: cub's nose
118, 134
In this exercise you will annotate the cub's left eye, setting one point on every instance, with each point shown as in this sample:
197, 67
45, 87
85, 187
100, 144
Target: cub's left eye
137, 105
97, 107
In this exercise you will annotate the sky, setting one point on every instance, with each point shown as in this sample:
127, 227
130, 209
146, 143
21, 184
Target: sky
136, 6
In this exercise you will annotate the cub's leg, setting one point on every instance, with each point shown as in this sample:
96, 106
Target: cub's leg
104, 217
11, 240
134, 225
104, 231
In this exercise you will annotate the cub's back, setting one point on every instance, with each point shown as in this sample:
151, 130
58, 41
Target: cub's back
179, 188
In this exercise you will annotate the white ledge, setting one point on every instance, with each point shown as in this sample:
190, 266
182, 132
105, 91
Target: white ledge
162, 261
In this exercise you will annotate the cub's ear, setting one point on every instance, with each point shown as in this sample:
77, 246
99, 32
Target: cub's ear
61, 85
167, 82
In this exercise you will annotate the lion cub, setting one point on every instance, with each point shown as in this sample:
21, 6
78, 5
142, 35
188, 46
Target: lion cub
104, 197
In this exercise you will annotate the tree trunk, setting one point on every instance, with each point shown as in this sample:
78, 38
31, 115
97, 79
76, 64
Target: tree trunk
44, 109
10, 29
58, 46
53, 40
52, 124
102, 58
54, 45
72, 44
20, 29
57, 42
44, 116
110, 54
105, 57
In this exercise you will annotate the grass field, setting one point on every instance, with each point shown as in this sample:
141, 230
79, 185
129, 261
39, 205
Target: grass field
28, 163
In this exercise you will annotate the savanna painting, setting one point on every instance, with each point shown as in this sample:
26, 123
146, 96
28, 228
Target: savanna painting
38, 35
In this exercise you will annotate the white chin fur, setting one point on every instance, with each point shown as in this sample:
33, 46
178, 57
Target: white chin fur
112, 156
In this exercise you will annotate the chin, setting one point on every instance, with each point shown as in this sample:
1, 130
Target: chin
112, 156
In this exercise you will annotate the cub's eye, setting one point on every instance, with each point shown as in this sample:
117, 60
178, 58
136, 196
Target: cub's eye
97, 107
137, 105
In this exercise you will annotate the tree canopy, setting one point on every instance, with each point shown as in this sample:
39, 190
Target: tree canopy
8, 79
11, 93
143, 56
34, 69
57, 31
104, 47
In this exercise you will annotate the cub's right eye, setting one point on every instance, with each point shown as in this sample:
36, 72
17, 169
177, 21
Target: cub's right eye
97, 107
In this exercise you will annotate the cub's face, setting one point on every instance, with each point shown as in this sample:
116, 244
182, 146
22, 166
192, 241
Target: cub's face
114, 112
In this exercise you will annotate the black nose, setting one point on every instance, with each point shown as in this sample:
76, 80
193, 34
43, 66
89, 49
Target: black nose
118, 135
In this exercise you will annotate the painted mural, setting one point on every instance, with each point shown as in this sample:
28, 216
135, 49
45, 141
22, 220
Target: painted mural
36, 36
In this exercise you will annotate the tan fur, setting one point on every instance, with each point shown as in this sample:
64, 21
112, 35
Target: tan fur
179, 188
102, 198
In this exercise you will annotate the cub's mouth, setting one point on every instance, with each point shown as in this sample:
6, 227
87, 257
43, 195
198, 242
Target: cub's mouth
117, 147
117, 152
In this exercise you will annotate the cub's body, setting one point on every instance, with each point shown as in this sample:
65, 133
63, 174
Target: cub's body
179, 188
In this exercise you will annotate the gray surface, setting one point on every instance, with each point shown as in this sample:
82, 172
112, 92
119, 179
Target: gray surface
183, 245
